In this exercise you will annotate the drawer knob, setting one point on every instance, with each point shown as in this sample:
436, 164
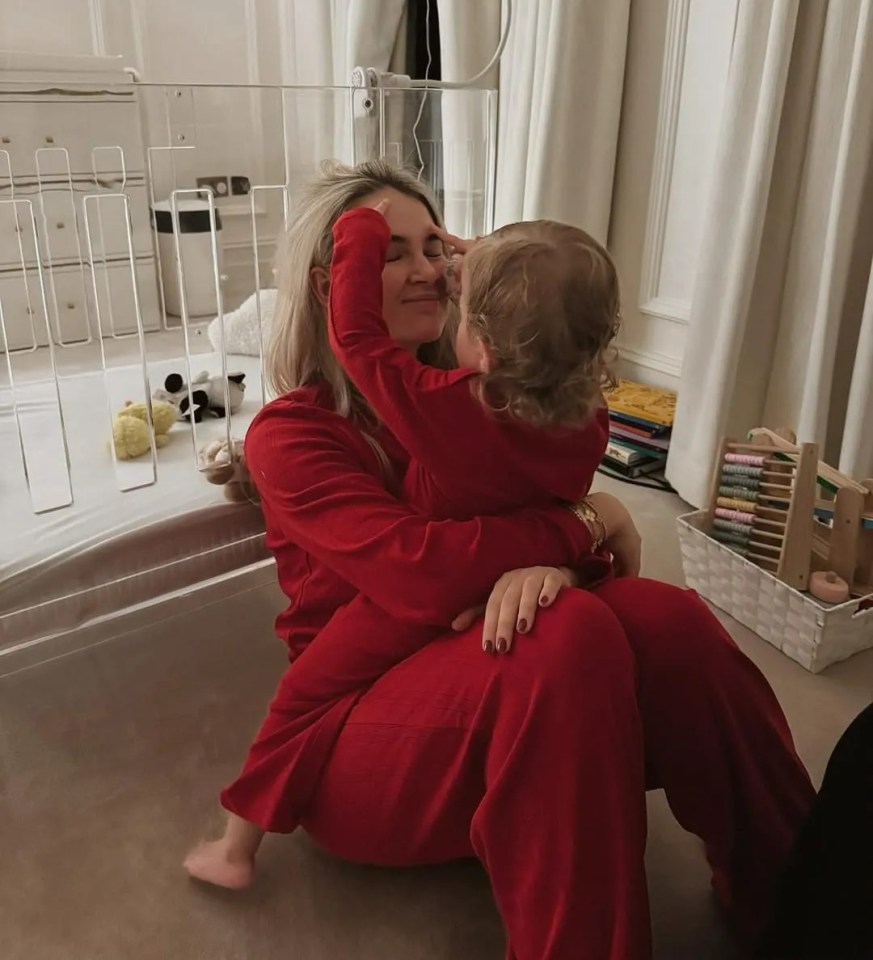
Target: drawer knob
60, 224
49, 138
71, 305
6, 139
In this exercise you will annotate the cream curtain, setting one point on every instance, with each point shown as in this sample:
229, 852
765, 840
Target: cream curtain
322, 42
781, 327
560, 86
327, 39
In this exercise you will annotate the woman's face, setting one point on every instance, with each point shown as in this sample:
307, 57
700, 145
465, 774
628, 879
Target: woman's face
414, 290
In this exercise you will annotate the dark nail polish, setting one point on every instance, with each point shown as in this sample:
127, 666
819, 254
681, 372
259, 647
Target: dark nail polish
488, 646
501, 645
545, 601
522, 625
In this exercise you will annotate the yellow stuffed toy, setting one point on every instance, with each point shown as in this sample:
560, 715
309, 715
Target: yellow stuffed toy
130, 428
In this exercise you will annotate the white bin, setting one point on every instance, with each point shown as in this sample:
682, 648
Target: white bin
813, 634
195, 245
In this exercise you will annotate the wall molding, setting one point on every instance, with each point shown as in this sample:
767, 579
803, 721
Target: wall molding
286, 29
667, 308
136, 28
651, 303
652, 360
253, 75
98, 35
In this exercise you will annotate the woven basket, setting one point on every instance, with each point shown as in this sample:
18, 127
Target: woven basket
809, 632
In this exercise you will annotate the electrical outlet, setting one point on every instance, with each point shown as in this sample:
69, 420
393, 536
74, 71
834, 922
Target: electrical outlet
220, 186
240, 186
224, 187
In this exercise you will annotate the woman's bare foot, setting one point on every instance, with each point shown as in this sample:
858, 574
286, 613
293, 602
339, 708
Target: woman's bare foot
218, 863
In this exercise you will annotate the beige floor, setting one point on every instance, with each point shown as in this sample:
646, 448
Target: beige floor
109, 764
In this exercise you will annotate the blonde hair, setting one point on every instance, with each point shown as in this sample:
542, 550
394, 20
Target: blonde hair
299, 352
544, 298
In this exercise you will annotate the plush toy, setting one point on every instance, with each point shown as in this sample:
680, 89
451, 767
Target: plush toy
130, 428
175, 391
214, 389
241, 331
207, 394
226, 467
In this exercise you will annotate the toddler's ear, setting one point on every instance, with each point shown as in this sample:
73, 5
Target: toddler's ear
486, 358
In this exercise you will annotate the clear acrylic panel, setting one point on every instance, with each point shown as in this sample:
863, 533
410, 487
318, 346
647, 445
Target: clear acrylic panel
101, 300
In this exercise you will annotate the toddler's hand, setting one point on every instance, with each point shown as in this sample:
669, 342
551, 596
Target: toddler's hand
457, 245
456, 250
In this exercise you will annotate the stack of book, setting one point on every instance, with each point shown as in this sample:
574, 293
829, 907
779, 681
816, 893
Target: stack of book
640, 423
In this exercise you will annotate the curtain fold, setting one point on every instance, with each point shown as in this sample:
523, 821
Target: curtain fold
322, 42
779, 334
560, 85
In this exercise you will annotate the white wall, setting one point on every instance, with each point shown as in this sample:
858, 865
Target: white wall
193, 41
38, 26
678, 58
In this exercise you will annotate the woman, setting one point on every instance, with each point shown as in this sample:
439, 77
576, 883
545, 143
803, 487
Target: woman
536, 762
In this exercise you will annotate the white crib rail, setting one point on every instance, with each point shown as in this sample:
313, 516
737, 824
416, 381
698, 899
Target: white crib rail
48, 468
86, 275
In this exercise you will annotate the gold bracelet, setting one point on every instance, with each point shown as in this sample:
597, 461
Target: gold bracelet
587, 513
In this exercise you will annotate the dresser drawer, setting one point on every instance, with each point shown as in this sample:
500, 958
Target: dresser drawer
75, 315
23, 314
77, 125
61, 225
122, 318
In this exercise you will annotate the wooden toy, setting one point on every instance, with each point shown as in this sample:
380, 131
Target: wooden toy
774, 502
843, 524
761, 505
827, 586
803, 580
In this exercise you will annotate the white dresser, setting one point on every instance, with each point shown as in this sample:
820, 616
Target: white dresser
71, 128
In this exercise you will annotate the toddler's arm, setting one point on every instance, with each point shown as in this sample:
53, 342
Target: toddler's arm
433, 413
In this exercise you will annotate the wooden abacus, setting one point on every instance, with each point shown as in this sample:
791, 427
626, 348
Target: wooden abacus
761, 506
843, 526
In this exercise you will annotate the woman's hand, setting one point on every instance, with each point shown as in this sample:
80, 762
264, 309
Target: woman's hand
513, 604
623, 539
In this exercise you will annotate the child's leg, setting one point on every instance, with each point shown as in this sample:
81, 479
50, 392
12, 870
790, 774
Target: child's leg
230, 861
283, 765
359, 644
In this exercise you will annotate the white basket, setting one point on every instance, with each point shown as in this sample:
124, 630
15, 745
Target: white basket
809, 632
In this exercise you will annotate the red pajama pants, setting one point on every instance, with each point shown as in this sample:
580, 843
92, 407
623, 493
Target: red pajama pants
537, 764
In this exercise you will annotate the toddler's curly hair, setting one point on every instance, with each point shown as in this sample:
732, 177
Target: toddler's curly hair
544, 299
